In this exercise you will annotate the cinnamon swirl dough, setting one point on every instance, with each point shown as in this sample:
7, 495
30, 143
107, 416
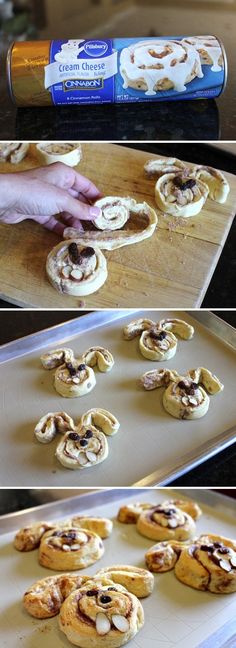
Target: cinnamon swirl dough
129, 513
102, 526
83, 448
70, 548
101, 419
166, 522
159, 65
209, 50
100, 357
157, 341
45, 597
56, 357
101, 615
116, 211
180, 194
74, 379
76, 270
184, 397
209, 564
136, 580
161, 166
29, 538
66, 152
216, 182
49, 425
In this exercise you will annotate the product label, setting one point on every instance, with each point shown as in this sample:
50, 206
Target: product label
133, 70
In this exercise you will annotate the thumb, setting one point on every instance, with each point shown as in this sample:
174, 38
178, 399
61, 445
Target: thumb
76, 208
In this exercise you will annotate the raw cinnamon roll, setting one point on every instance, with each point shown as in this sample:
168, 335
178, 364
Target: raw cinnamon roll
66, 152
158, 341
161, 166
45, 597
166, 522
102, 526
180, 194
102, 615
140, 218
129, 513
136, 580
75, 269
101, 419
13, 152
74, 379
70, 548
100, 357
52, 423
83, 448
209, 564
56, 357
184, 396
215, 180
29, 537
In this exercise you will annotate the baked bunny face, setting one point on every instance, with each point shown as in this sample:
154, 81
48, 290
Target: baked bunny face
102, 615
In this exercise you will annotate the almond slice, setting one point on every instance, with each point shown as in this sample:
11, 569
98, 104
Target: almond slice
103, 625
66, 271
76, 274
172, 523
91, 456
225, 565
82, 459
120, 622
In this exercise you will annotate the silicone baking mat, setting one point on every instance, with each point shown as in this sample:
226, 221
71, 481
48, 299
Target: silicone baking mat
149, 440
176, 616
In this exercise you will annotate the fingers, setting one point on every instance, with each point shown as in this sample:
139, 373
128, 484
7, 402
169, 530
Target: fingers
70, 221
86, 187
76, 208
52, 224
65, 177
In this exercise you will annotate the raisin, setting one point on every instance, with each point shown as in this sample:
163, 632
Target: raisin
81, 367
88, 434
73, 253
74, 436
184, 184
83, 442
105, 599
71, 369
87, 252
92, 592
157, 336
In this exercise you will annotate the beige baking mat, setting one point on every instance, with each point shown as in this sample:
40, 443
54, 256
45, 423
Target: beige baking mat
148, 438
175, 616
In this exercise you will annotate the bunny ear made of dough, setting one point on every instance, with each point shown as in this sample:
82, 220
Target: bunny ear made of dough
136, 580
205, 377
158, 378
161, 166
52, 423
215, 180
100, 357
163, 556
102, 419
100, 525
56, 357
29, 538
44, 598
177, 326
136, 328
142, 221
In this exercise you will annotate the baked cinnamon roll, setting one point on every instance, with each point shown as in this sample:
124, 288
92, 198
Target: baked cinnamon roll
102, 615
45, 597
102, 526
129, 513
184, 396
70, 548
83, 448
136, 580
166, 522
163, 556
180, 194
29, 537
209, 564
75, 269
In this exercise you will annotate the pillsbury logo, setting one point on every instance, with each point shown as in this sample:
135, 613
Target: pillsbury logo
95, 48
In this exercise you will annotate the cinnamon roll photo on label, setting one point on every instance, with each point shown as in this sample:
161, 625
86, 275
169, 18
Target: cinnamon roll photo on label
185, 397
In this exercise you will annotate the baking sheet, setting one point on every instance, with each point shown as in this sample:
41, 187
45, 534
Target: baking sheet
150, 442
175, 616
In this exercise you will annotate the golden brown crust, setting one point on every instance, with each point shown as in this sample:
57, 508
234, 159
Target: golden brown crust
45, 597
29, 538
188, 506
129, 513
136, 580
102, 526
209, 564
166, 522
70, 548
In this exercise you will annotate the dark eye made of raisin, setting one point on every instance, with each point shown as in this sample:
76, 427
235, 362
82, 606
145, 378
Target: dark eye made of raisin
81, 367
83, 442
88, 434
92, 592
73, 436
71, 369
73, 252
105, 599
182, 384
111, 589
87, 252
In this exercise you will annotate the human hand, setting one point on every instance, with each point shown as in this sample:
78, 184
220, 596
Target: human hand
43, 193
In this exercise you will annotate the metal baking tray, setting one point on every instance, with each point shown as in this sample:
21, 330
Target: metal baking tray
176, 616
151, 447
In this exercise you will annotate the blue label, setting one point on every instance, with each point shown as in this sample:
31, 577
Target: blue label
134, 70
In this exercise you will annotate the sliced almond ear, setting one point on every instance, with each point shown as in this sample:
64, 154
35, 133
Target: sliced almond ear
120, 622
103, 625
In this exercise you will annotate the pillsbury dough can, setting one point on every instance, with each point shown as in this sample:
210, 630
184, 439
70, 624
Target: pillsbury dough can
119, 70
